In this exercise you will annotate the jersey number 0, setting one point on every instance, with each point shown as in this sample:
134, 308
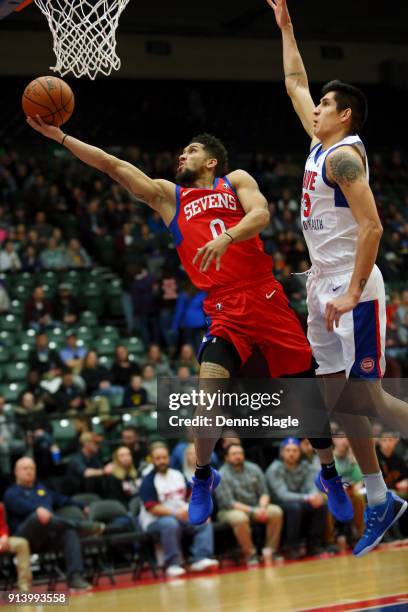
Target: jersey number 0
213, 227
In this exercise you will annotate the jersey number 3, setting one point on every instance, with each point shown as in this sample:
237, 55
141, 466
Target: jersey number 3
307, 204
213, 227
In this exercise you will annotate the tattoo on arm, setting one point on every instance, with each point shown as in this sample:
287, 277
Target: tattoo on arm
291, 74
345, 168
363, 283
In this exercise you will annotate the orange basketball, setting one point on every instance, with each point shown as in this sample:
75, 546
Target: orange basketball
49, 97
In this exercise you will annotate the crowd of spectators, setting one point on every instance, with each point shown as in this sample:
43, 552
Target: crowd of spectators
65, 217
275, 510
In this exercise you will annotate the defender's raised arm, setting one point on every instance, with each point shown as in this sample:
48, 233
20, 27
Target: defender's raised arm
296, 81
158, 194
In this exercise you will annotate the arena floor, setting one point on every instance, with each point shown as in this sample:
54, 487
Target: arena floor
378, 581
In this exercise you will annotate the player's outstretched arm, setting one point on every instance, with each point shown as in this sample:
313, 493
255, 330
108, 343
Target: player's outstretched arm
157, 193
296, 81
345, 168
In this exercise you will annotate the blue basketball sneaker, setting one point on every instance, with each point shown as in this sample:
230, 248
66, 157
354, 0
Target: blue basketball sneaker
201, 503
338, 501
377, 520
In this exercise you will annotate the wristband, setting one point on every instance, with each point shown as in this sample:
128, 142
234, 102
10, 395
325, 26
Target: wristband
63, 140
229, 236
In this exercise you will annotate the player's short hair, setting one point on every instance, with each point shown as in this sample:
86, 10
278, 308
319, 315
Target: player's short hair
216, 149
348, 96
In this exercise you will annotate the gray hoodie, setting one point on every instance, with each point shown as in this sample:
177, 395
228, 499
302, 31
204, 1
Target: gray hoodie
290, 485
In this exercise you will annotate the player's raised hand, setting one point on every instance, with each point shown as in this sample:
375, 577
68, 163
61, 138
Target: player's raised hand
338, 307
214, 249
50, 131
280, 9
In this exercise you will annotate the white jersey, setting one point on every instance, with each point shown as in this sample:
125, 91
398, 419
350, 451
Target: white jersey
329, 227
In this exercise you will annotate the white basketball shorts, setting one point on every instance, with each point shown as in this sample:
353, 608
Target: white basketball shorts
357, 345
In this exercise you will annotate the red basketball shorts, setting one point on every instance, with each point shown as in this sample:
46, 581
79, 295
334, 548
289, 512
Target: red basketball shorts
258, 314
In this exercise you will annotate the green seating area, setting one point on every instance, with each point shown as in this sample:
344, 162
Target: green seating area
99, 288
98, 327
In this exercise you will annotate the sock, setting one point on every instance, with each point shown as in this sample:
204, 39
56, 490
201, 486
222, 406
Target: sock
329, 470
376, 489
203, 472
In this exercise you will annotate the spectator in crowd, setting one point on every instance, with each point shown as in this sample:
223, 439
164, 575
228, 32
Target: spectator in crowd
69, 398
12, 441
393, 467
96, 377
43, 229
123, 482
65, 307
242, 499
168, 298
72, 355
38, 310
164, 511
31, 511
21, 549
98, 384
34, 420
188, 358
91, 225
53, 257
123, 369
145, 304
45, 362
9, 259
184, 383
125, 240
4, 300
30, 261
135, 395
130, 438
18, 236
33, 240
156, 357
346, 465
76, 256
86, 467
150, 383
189, 318
291, 483
310, 454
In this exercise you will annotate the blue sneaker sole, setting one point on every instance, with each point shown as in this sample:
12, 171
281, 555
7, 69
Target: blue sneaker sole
342, 519
367, 549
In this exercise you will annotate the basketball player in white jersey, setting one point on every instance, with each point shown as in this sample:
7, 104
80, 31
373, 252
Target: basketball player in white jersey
345, 289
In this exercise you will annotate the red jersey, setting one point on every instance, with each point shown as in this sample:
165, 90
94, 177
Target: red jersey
202, 215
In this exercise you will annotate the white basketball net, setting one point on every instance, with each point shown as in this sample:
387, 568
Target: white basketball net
84, 34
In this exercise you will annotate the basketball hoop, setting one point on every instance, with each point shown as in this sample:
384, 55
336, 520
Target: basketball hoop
84, 34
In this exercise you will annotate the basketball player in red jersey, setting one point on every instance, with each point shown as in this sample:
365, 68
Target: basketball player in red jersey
215, 219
